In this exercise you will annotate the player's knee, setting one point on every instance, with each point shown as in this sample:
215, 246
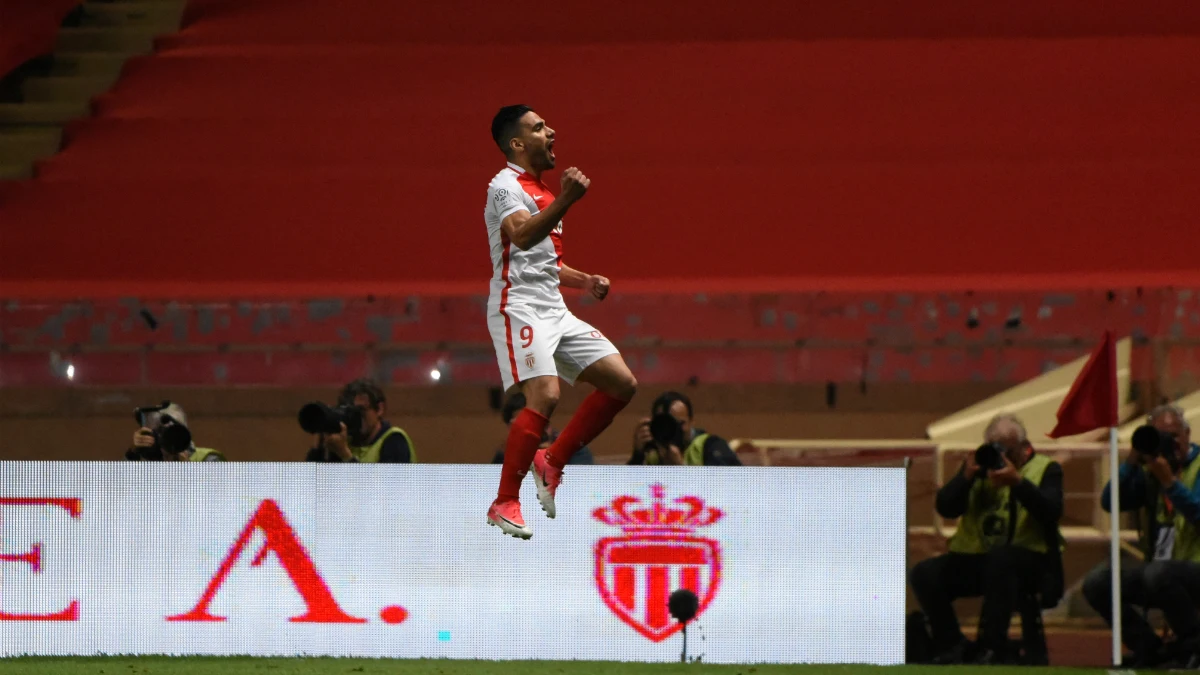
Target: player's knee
549, 403
619, 381
626, 387
541, 395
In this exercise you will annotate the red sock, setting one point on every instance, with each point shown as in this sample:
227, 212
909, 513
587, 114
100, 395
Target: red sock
594, 416
524, 437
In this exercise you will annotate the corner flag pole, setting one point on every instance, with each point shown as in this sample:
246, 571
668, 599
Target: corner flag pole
1093, 403
1114, 517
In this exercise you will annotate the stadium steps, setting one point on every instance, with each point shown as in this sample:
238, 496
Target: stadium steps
67, 88
55, 113
126, 39
165, 15
87, 63
91, 50
21, 146
19, 171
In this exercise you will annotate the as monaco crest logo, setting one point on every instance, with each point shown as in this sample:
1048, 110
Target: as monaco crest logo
657, 555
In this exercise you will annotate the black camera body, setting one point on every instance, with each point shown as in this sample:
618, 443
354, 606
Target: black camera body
318, 418
989, 457
666, 430
170, 435
1152, 443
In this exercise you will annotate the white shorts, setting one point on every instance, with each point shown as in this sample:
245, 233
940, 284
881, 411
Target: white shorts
531, 342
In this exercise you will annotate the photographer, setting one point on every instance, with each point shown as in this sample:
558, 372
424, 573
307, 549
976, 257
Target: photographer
669, 436
1008, 500
164, 436
373, 440
1158, 482
514, 405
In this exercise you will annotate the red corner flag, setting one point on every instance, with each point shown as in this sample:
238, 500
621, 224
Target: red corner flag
1092, 401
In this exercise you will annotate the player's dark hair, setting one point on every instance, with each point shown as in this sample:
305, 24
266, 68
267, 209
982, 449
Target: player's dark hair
514, 405
663, 403
359, 387
507, 124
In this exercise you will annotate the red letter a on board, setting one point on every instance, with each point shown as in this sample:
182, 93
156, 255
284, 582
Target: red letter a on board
322, 608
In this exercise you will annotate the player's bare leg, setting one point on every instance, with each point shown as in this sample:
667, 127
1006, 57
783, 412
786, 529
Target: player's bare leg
615, 387
524, 437
611, 376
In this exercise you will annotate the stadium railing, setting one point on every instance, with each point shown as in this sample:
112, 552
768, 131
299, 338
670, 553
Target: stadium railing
915, 454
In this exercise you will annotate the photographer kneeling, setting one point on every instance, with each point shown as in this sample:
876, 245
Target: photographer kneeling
1158, 481
356, 431
669, 437
164, 436
1008, 500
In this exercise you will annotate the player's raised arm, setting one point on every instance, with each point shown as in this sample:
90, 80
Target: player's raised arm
527, 231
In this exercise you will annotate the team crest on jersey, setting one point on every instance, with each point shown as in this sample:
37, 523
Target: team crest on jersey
529, 361
658, 553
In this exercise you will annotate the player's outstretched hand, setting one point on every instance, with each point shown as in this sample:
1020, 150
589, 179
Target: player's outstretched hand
597, 286
574, 184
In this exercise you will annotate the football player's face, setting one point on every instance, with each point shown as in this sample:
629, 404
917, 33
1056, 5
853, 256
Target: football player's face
537, 138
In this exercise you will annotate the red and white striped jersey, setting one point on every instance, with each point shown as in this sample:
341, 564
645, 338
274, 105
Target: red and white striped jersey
521, 277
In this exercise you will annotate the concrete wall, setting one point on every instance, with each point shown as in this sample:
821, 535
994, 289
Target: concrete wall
451, 424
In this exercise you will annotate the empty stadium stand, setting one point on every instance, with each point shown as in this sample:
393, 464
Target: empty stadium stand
781, 338
313, 149
55, 55
302, 181
28, 29
827, 220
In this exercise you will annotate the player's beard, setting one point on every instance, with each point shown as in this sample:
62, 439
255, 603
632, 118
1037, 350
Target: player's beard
547, 160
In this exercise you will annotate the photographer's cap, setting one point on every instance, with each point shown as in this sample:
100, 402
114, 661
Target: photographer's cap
174, 411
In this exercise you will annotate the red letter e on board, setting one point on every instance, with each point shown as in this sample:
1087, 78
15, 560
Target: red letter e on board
33, 557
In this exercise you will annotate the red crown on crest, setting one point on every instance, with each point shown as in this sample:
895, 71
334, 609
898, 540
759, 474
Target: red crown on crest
682, 514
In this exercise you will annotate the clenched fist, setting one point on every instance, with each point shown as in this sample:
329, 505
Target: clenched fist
574, 184
596, 286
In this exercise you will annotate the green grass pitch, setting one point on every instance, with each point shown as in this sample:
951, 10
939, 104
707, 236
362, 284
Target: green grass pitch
161, 665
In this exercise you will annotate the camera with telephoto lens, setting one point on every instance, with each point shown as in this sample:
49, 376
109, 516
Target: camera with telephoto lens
666, 430
171, 436
989, 457
318, 418
1151, 443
